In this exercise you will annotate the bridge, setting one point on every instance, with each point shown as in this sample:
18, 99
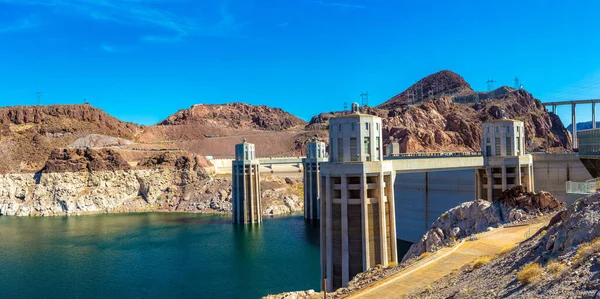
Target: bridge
573, 104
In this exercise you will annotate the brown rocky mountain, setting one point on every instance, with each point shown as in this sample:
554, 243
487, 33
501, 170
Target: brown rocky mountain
450, 120
235, 115
29, 133
435, 85
447, 119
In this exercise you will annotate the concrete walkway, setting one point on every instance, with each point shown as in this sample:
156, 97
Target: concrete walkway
428, 270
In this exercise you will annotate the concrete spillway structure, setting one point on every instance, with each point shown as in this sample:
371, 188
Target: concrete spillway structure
246, 185
358, 229
315, 155
505, 161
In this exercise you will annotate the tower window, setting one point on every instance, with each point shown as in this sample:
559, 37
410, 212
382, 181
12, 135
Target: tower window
367, 144
377, 151
497, 145
340, 149
367, 126
354, 149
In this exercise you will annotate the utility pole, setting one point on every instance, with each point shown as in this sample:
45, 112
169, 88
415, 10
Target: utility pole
364, 97
39, 95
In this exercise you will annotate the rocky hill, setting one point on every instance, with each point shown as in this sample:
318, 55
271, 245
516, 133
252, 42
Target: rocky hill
235, 115
442, 83
561, 260
30, 133
450, 120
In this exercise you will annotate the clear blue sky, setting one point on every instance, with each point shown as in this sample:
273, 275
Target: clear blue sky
141, 60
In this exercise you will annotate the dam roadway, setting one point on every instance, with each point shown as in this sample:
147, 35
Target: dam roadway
441, 263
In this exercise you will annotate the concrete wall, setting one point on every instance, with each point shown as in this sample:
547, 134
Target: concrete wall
422, 197
552, 171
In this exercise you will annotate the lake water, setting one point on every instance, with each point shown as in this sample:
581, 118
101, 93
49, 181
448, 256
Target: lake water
158, 255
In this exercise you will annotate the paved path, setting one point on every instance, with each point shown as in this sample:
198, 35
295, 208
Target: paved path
428, 270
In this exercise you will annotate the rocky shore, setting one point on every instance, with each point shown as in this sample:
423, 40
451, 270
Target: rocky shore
84, 181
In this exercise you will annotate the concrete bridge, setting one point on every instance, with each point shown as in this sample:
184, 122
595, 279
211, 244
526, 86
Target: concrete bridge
573, 104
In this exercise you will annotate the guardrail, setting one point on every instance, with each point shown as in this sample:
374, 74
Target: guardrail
587, 187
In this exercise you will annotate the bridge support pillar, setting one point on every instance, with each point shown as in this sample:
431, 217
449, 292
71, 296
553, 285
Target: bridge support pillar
554, 109
593, 115
574, 123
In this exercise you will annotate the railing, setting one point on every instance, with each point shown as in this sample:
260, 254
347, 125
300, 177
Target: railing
587, 187
440, 154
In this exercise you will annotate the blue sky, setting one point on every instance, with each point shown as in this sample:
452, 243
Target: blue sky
142, 60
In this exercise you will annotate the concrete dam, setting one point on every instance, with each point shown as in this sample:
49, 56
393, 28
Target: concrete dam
425, 187
422, 196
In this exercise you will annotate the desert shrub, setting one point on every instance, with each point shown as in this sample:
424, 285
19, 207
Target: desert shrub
507, 249
556, 267
586, 250
479, 262
530, 273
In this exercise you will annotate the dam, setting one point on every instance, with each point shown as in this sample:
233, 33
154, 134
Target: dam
426, 185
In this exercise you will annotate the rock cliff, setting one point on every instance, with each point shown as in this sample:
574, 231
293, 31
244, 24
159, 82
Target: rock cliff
134, 190
477, 216
88, 181
567, 253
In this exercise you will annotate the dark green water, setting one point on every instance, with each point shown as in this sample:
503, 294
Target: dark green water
156, 255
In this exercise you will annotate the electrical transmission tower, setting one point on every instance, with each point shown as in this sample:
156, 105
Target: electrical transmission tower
518, 84
39, 95
490, 84
364, 97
